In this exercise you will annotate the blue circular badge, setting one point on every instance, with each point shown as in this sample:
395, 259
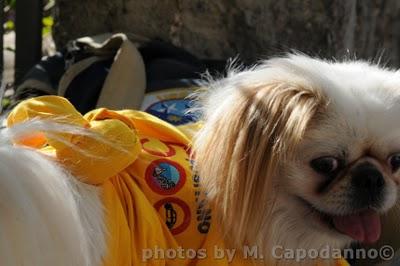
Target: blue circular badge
165, 177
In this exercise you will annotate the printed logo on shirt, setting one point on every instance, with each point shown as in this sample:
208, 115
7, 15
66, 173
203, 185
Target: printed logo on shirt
175, 212
174, 111
203, 210
165, 177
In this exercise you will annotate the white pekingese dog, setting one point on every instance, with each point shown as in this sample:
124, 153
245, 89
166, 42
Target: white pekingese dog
296, 152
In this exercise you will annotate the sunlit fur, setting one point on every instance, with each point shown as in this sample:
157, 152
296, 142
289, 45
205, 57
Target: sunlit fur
47, 217
243, 143
264, 125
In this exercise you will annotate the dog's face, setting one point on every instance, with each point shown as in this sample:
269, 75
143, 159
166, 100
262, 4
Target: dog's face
343, 177
302, 153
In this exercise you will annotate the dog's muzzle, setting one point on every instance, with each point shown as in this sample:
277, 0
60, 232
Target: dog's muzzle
367, 185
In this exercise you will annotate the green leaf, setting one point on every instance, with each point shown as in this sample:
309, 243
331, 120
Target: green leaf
48, 21
9, 25
46, 31
5, 102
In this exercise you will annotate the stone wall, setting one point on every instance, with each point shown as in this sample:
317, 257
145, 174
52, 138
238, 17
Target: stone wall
252, 28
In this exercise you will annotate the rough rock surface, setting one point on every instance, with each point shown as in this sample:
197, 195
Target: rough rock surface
251, 28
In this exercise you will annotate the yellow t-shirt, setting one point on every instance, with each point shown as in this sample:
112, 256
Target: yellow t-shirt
156, 212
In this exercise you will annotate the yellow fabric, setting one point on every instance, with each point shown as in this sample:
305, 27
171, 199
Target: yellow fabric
152, 199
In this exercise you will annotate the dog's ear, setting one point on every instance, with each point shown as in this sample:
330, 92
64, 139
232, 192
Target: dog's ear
238, 152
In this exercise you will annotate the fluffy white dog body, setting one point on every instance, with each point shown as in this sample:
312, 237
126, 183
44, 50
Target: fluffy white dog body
296, 152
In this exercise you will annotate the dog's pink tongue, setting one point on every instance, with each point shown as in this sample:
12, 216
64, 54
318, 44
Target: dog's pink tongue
363, 227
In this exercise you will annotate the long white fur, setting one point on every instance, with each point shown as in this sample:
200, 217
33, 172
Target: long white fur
47, 217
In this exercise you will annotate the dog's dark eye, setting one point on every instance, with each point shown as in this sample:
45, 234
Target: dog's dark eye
394, 161
325, 165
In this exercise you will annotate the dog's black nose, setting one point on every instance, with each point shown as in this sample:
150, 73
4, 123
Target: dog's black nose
368, 185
